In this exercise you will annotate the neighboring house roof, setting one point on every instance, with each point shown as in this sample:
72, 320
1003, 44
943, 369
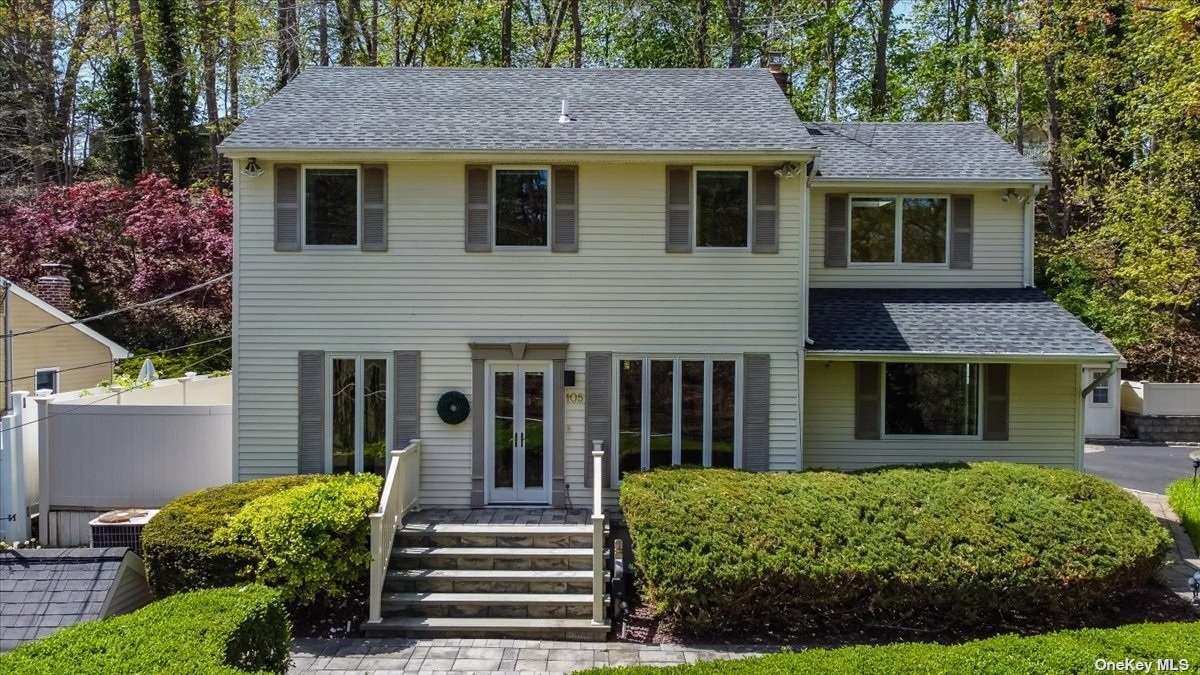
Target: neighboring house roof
1018, 322
118, 352
42, 590
920, 151
517, 110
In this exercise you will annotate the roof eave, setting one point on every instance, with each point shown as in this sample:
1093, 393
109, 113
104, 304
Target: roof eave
242, 152
898, 181
951, 357
117, 351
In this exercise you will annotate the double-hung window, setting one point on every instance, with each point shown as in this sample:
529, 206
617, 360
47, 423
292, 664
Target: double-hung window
522, 207
359, 413
931, 399
331, 206
722, 208
895, 229
1100, 393
677, 411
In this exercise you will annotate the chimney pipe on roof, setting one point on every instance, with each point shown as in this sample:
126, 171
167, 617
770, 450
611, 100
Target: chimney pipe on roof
54, 287
781, 78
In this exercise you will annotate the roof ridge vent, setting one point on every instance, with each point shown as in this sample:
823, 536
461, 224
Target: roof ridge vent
565, 115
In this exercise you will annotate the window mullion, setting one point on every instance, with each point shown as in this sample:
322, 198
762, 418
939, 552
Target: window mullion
708, 400
676, 410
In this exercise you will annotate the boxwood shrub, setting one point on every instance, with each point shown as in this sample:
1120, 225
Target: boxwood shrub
213, 631
178, 546
1053, 654
721, 550
309, 539
1184, 497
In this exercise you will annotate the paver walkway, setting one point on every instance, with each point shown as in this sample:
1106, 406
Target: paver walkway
446, 655
1182, 561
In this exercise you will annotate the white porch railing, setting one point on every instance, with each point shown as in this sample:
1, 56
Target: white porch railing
401, 492
597, 535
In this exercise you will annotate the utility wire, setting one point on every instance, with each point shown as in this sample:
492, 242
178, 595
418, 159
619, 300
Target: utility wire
119, 310
133, 356
114, 394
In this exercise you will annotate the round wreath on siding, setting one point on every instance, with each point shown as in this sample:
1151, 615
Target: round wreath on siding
453, 407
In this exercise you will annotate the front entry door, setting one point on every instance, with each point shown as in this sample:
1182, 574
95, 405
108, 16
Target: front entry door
520, 432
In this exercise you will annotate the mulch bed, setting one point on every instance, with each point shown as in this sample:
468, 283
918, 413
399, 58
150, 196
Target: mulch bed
332, 618
1150, 604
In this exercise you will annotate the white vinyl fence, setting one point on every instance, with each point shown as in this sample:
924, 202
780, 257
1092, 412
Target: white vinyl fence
1180, 399
83, 455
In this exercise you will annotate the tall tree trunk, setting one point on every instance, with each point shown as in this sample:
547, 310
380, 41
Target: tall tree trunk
577, 28
208, 63
64, 128
373, 39
410, 58
735, 10
289, 41
506, 33
560, 14
346, 30
143, 77
831, 62
879, 88
323, 31
396, 33
1019, 106
233, 48
702, 36
1054, 196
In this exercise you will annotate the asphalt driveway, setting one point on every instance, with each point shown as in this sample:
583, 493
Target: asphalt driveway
1148, 468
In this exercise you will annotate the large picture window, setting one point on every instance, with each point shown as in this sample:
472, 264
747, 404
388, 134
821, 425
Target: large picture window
359, 405
722, 208
330, 206
523, 207
674, 411
892, 229
931, 399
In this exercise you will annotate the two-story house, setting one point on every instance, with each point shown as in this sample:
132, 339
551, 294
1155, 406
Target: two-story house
665, 262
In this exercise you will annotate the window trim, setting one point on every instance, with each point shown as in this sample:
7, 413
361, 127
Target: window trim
495, 211
57, 382
676, 406
898, 230
884, 435
695, 197
1098, 375
358, 209
327, 386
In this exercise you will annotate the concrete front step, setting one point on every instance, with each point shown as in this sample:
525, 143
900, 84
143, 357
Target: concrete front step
457, 535
511, 605
491, 557
494, 581
582, 630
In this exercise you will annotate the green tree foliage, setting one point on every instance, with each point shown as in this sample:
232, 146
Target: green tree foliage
117, 117
176, 98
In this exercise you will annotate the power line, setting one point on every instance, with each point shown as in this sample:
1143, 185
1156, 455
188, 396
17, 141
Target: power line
134, 356
114, 394
119, 310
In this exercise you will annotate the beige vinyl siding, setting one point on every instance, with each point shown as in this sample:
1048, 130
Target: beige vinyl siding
1042, 422
621, 293
63, 348
998, 248
130, 591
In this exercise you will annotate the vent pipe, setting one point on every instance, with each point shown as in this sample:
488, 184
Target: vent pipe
565, 115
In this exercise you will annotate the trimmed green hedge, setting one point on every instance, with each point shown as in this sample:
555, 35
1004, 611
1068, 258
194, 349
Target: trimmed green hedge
1053, 654
720, 550
214, 631
1184, 497
309, 539
178, 546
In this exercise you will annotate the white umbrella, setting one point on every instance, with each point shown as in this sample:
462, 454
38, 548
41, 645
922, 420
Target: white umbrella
147, 373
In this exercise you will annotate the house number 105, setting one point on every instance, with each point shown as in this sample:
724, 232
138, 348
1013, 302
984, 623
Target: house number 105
574, 397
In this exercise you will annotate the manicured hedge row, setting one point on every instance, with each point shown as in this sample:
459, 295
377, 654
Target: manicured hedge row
721, 550
178, 545
209, 632
1184, 498
1052, 654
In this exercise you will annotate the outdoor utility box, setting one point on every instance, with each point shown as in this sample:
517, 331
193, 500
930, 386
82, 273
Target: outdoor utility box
122, 527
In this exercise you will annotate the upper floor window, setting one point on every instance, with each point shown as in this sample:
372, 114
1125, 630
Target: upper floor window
722, 208
898, 229
46, 378
331, 206
522, 207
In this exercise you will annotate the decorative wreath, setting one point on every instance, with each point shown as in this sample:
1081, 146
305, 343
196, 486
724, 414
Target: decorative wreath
453, 407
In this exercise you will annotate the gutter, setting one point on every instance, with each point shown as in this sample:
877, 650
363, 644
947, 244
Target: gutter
243, 152
826, 181
951, 357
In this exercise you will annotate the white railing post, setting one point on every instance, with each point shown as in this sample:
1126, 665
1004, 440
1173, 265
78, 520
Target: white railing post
597, 534
375, 602
401, 488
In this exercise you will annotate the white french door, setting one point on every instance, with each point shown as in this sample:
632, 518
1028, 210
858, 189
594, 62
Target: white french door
520, 433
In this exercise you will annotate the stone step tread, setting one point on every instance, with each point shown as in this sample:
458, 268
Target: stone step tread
488, 598
490, 575
489, 552
469, 624
495, 530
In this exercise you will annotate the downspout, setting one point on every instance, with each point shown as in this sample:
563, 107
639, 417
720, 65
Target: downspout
6, 331
1112, 368
1027, 237
802, 342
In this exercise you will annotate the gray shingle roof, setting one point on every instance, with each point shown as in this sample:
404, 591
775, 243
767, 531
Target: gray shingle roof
991, 321
42, 590
918, 150
509, 109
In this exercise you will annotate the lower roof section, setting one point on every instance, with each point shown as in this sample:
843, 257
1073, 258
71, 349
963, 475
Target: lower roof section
987, 323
